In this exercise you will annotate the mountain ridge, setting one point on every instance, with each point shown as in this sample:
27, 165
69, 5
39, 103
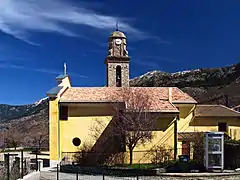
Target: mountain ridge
9, 112
202, 84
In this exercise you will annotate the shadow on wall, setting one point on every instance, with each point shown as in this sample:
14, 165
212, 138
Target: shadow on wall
105, 145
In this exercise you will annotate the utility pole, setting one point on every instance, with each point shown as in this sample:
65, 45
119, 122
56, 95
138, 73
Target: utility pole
22, 172
7, 165
175, 137
36, 159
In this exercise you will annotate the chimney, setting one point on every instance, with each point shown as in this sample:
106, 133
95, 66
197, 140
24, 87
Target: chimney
170, 94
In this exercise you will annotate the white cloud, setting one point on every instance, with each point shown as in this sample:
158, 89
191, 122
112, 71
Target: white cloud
20, 17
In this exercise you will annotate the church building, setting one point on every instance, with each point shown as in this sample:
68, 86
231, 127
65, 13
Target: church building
73, 111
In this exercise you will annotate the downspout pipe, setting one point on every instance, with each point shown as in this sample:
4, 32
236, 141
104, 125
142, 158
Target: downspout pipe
176, 137
59, 133
175, 125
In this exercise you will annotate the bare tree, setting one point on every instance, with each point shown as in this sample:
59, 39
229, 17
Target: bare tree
196, 140
161, 154
40, 140
133, 119
14, 138
38, 135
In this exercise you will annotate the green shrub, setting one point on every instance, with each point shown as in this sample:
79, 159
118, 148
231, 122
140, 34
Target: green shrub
232, 154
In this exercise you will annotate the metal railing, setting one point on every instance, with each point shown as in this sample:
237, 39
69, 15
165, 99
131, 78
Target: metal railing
90, 165
78, 176
121, 158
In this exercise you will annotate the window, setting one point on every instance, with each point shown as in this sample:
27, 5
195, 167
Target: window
222, 127
118, 76
186, 148
63, 114
76, 141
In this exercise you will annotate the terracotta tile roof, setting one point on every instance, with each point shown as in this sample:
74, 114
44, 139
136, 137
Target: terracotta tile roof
158, 95
215, 111
180, 97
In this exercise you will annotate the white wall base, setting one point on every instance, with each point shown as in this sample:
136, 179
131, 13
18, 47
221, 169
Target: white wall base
53, 163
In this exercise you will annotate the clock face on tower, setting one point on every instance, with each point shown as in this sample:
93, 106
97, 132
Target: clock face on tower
118, 41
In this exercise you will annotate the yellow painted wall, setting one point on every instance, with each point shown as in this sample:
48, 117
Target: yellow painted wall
53, 128
211, 124
54, 121
160, 138
163, 133
185, 117
65, 82
164, 137
81, 123
82, 119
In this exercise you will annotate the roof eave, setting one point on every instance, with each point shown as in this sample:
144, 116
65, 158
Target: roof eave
184, 102
202, 116
54, 91
95, 101
161, 111
52, 95
62, 101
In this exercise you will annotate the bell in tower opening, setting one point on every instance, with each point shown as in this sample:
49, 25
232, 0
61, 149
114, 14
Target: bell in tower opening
117, 60
118, 76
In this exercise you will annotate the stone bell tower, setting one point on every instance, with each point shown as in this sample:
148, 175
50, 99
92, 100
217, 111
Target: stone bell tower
117, 61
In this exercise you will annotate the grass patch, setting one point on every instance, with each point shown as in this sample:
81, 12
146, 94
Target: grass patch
149, 166
140, 166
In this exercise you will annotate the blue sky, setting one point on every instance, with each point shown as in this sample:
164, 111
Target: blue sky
38, 36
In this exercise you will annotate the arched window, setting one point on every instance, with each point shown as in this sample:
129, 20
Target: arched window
118, 76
